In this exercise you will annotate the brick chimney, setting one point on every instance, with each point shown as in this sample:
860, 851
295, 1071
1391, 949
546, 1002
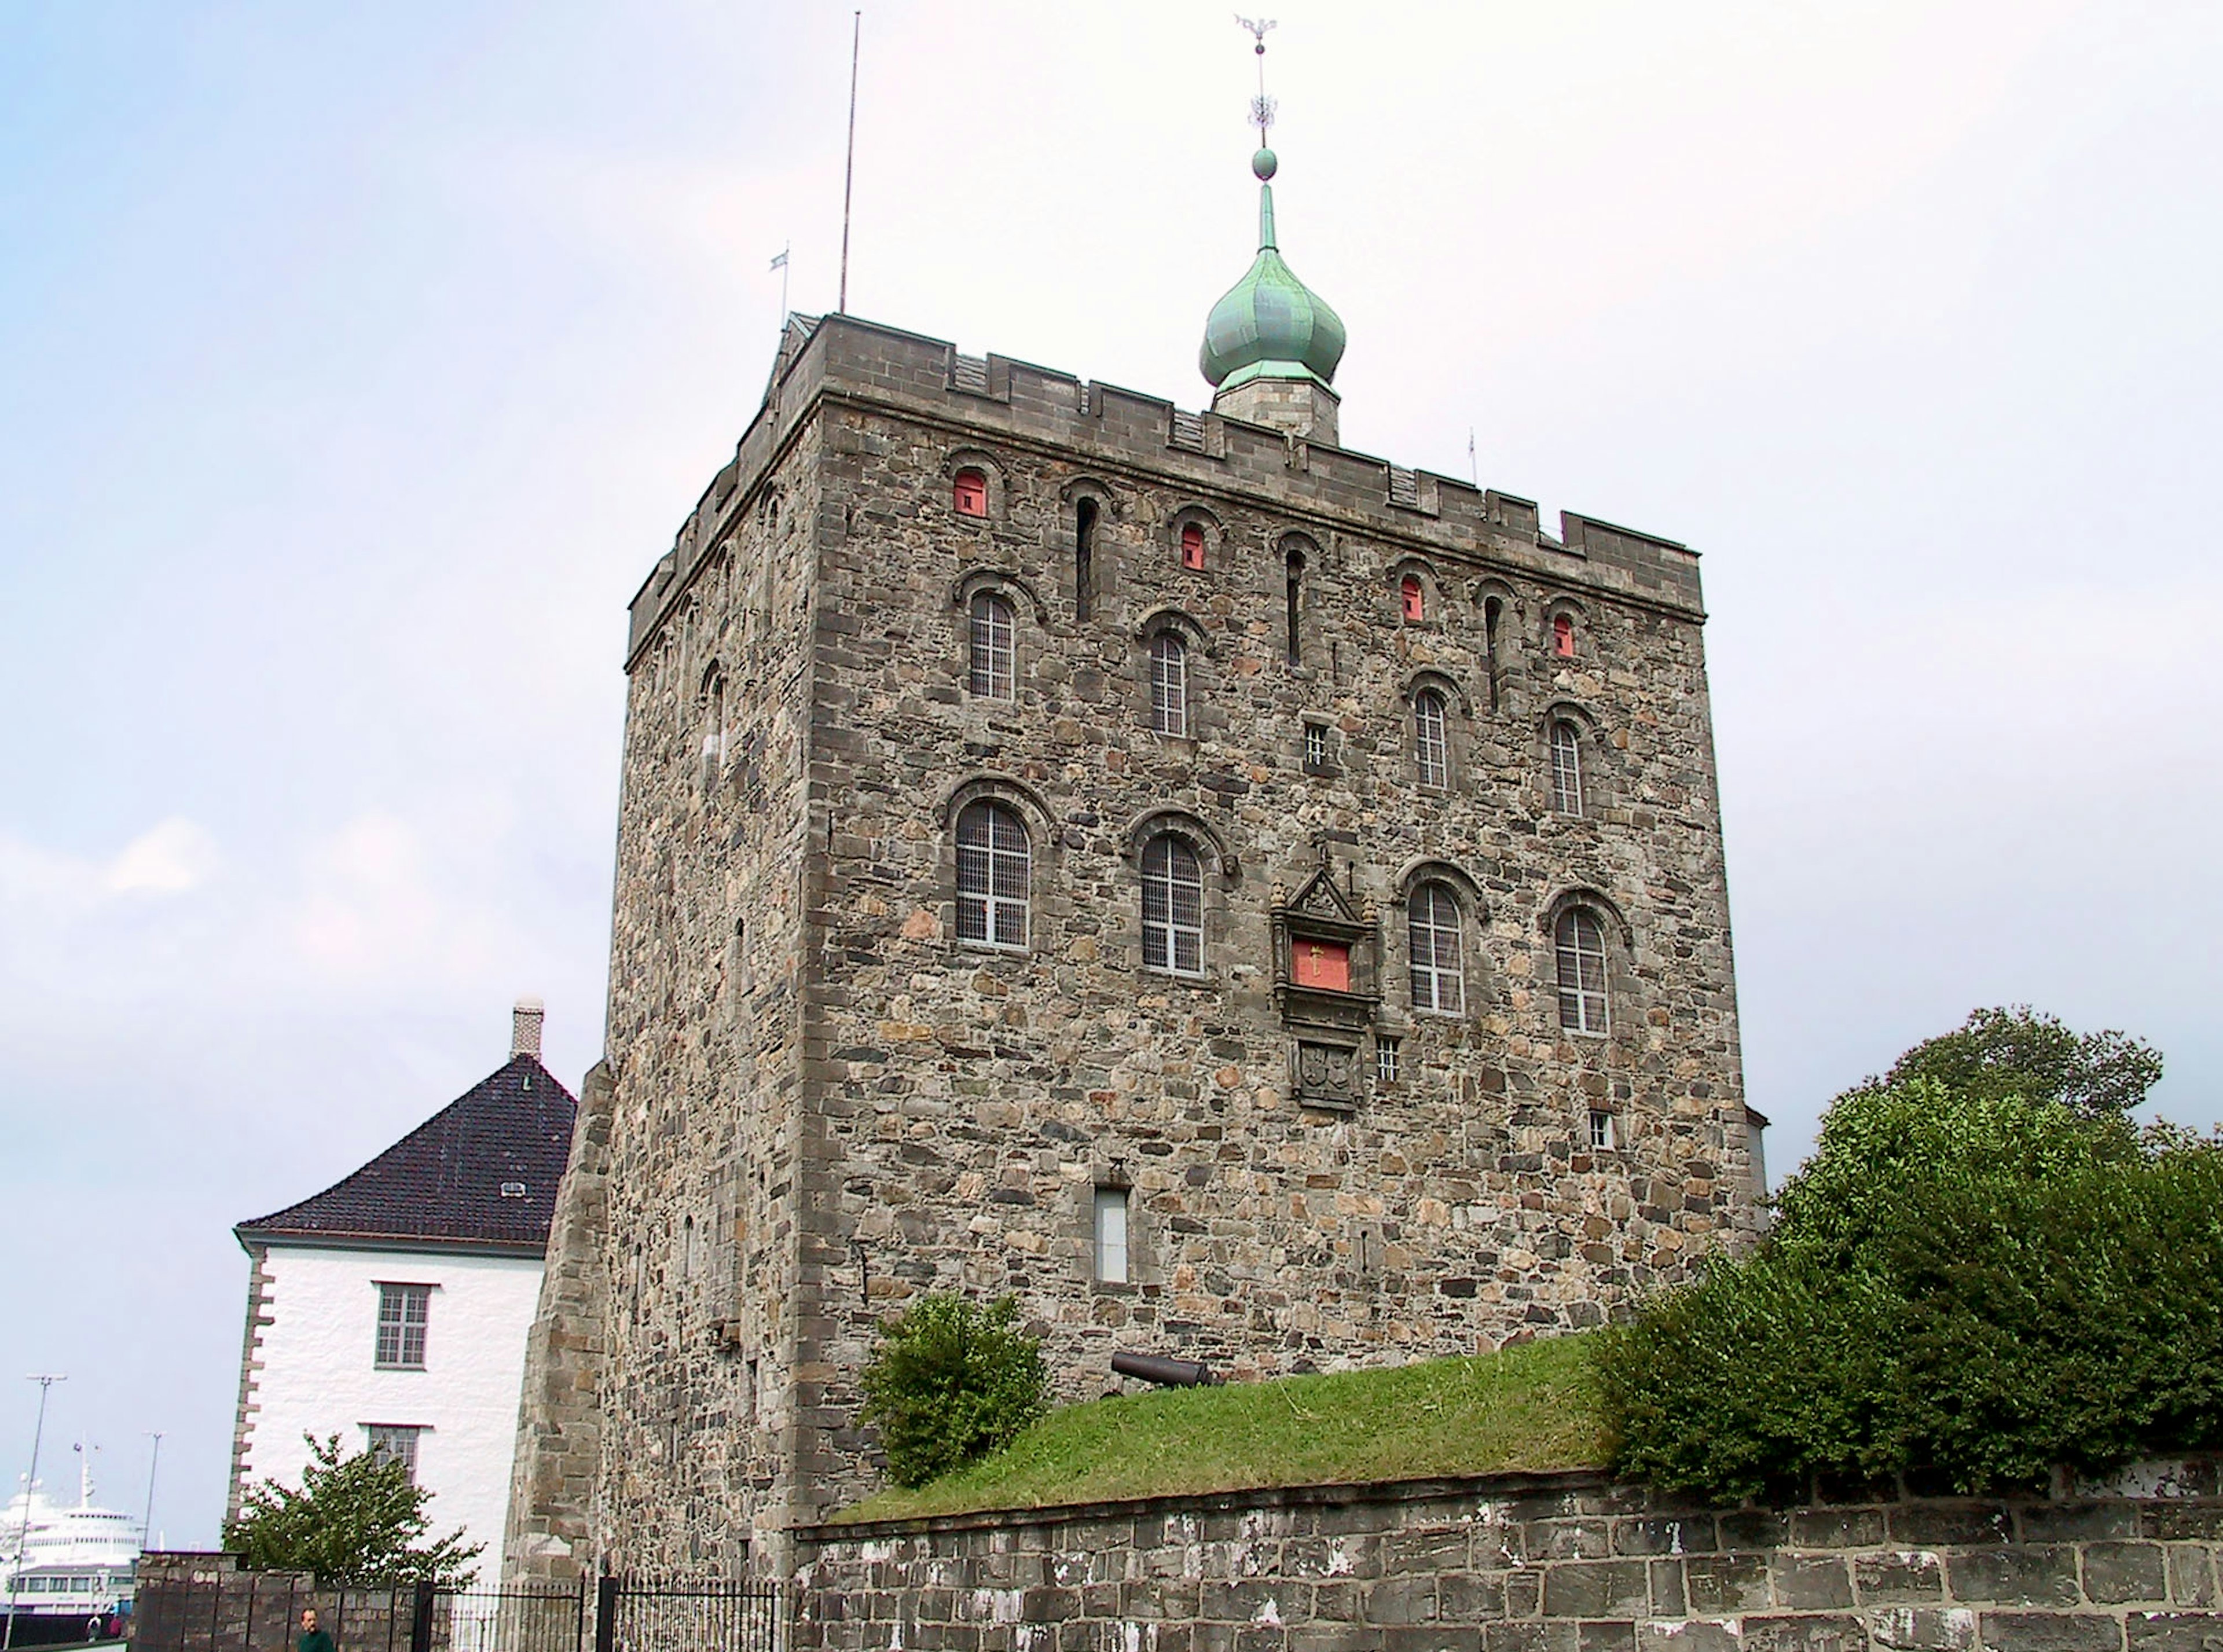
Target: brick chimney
524, 1027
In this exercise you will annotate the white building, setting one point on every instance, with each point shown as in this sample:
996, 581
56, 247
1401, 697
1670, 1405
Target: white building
392, 1307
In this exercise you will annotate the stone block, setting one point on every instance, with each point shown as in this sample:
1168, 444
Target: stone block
1663, 1535
1723, 1583
1899, 1575
2174, 1631
1691, 1635
2115, 1573
1836, 1528
1432, 1638
2047, 1631
1532, 1636
2018, 1577
1469, 1597
1596, 1589
2191, 1575
1399, 1600
1922, 1628
1937, 1525
1816, 1632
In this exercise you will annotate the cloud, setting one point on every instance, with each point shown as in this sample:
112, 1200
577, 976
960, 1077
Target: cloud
172, 858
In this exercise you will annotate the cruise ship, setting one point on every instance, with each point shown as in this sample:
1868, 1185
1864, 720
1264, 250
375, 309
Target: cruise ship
71, 1580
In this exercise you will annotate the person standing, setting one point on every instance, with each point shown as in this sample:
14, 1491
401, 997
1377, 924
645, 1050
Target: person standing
312, 1638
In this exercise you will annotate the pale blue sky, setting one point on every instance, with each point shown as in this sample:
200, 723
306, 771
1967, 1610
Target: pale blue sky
356, 364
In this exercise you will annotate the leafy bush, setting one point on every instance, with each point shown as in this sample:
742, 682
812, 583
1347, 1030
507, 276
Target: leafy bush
1974, 1282
2021, 1051
948, 1383
357, 1522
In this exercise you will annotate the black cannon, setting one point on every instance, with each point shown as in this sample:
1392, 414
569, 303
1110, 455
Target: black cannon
1168, 1373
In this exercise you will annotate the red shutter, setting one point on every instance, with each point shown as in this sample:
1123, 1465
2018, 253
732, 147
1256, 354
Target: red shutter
969, 493
1324, 963
1192, 546
1410, 592
1562, 637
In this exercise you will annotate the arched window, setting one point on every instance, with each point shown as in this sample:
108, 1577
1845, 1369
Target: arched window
1411, 598
1566, 768
1582, 971
991, 876
1295, 597
1192, 543
1172, 906
1168, 684
1492, 612
1084, 557
1563, 636
968, 492
1431, 749
992, 656
714, 717
1432, 939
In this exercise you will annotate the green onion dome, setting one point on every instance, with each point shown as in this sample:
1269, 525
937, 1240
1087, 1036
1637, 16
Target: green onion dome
1270, 325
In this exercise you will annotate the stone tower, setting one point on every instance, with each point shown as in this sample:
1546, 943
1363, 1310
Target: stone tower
1246, 899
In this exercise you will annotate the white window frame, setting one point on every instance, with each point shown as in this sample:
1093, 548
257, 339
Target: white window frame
1603, 1134
1172, 906
995, 873
1435, 942
1431, 745
1388, 1057
400, 1297
1578, 941
1566, 744
992, 651
1111, 1213
396, 1440
1169, 684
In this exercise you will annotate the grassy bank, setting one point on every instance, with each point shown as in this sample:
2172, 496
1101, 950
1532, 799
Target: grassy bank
1524, 1408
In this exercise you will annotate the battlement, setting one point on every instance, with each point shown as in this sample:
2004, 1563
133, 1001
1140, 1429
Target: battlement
996, 400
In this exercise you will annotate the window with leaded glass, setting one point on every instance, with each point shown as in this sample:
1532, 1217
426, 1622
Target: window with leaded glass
1431, 749
1581, 947
1566, 768
992, 877
403, 1311
1432, 939
1168, 684
994, 652
1172, 906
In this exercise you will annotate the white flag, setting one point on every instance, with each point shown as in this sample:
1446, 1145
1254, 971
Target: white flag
780, 261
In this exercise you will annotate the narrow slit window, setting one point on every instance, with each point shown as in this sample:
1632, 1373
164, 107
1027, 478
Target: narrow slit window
1169, 684
1492, 612
1411, 599
1112, 1251
1431, 752
1192, 545
1581, 948
1433, 939
714, 717
968, 492
1172, 906
403, 1311
994, 647
1566, 768
1084, 557
993, 872
1294, 597
1563, 636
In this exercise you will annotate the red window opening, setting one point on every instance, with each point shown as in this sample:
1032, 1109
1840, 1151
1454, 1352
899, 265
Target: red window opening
1410, 593
969, 492
1324, 963
1563, 636
1192, 546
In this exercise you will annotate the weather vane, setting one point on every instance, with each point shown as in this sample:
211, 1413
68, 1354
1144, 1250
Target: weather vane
1262, 106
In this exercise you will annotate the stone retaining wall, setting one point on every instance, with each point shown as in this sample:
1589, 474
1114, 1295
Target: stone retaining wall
1532, 1563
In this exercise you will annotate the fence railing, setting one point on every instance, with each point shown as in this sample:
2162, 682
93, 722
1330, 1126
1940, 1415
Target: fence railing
716, 1617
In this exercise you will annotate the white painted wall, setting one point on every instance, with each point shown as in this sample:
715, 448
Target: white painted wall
318, 1374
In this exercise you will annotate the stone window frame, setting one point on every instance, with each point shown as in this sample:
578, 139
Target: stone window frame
1474, 958
1203, 708
1110, 1170
1042, 847
713, 714
1459, 720
1599, 778
1624, 1005
1305, 650
1222, 871
1329, 762
1566, 602
1105, 576
1433, 599
989, 466
996, 817
1495, 654
1026, 639
1215, 539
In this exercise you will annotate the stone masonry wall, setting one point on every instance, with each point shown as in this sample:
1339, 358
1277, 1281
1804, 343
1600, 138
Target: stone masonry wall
1549, 1563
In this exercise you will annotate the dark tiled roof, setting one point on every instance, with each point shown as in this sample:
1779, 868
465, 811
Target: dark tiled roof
443, 1181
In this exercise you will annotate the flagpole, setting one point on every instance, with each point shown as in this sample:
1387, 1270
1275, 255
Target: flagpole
849, 165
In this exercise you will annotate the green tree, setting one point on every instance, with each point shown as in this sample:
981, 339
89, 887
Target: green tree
948, 1383
355, 1522
1967, 1279
2016, 1051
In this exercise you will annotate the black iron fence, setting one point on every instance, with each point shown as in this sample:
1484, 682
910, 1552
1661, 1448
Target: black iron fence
204, 1602
719, 1616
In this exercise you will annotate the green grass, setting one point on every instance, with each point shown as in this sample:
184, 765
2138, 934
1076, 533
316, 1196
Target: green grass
1531, 1407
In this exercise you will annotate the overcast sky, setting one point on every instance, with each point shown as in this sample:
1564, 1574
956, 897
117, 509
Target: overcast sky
356, 364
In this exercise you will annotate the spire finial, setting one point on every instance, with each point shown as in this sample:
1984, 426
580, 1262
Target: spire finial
1262, 106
